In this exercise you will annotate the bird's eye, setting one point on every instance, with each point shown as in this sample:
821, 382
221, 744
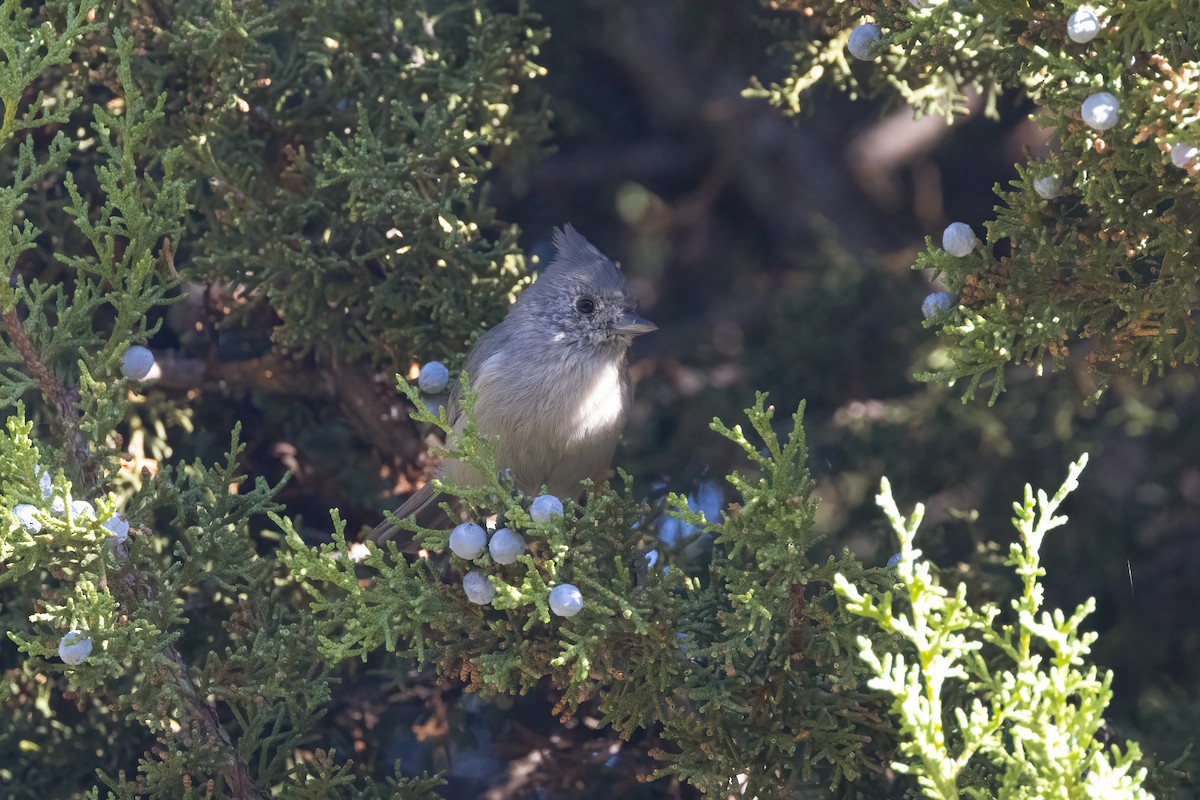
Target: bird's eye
585, 305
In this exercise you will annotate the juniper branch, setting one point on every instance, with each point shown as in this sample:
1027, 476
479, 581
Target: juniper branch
65, 402
64, 399
133, 585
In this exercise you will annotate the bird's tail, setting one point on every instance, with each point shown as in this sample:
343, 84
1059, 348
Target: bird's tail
424, 507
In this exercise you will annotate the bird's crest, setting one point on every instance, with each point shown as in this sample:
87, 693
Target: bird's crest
572, 249
577, 267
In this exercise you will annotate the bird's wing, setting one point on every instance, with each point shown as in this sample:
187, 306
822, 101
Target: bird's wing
424, 505
484, 348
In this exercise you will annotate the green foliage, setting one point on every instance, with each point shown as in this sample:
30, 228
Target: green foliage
773, 637
344, 147
744, 667
1110, 261
1028, 723
201, 680
29, 52
319, 170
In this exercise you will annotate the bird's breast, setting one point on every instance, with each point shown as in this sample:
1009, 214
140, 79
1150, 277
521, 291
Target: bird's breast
558, 419
597, 406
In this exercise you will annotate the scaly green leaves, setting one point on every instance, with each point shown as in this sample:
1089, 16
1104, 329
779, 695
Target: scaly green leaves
1027, 726
1110, 260
751, 650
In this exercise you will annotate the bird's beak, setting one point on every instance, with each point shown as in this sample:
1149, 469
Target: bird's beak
633, 325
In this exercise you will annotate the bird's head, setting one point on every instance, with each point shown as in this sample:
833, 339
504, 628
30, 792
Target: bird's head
581, 298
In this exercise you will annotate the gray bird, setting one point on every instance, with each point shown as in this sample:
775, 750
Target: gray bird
551, 381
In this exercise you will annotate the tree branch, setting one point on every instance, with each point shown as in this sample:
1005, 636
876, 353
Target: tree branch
65, 401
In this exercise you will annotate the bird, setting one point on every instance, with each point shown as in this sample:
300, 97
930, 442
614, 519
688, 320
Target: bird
551, 382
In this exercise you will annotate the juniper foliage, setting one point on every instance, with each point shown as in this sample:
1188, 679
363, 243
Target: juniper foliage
742, 668
1031, 720
200, 677
354, 141
1107, 266
320, 165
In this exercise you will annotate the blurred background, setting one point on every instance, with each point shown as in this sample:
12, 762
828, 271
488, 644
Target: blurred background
775, 255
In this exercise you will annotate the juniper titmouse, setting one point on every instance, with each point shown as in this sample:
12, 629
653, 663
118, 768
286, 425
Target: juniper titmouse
551, 380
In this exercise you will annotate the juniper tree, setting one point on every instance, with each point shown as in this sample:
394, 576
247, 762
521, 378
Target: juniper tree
1026, 718
172, 627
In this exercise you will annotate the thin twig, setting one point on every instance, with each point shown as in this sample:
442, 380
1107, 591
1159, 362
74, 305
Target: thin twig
370, 406
64, 400
168, 256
